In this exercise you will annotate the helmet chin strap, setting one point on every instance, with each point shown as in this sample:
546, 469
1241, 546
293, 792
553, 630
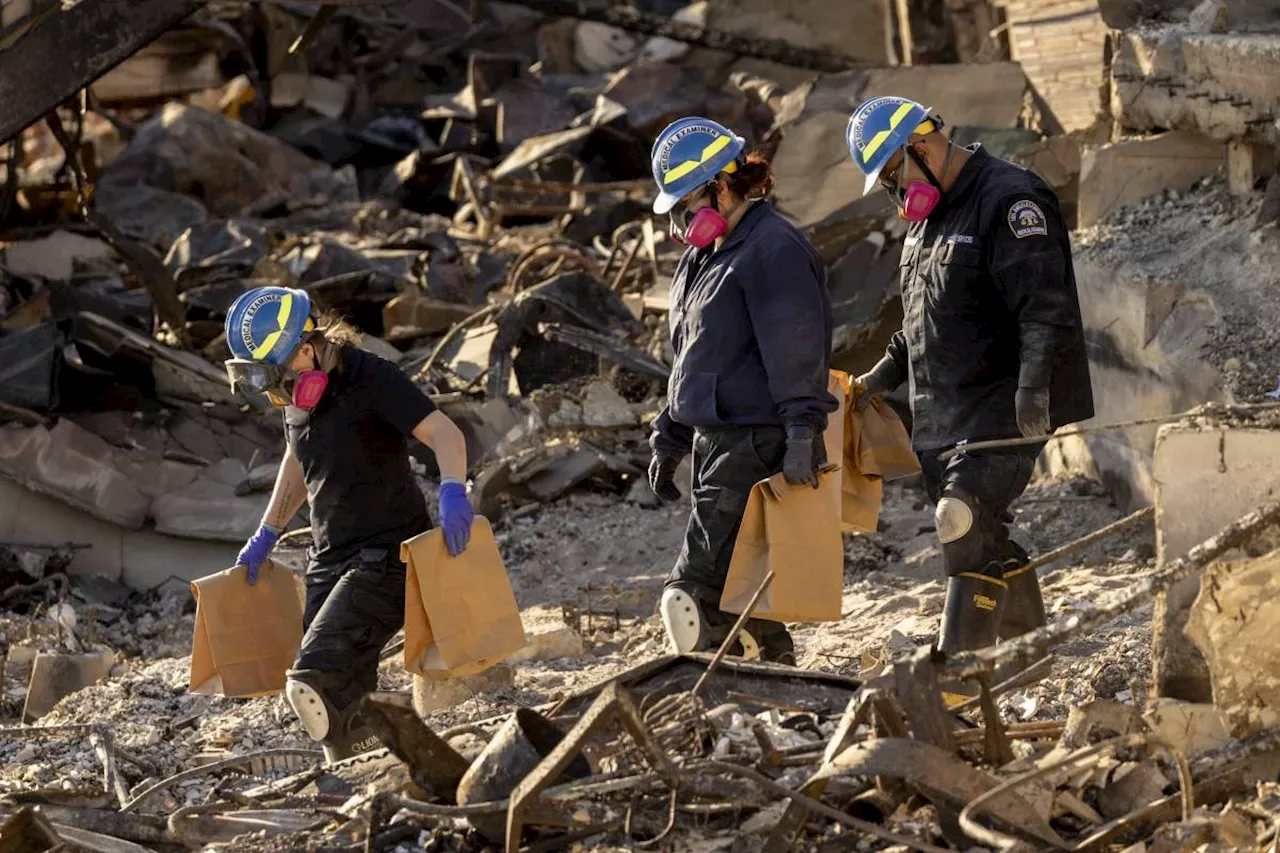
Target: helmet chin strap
924, 166
732, 212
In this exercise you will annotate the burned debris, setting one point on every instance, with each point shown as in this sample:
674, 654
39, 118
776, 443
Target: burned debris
704, 747
469, 184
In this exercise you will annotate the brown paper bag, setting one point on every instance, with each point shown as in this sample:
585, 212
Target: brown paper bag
876, 448
838, 383
795, 531
246, 637
460, 614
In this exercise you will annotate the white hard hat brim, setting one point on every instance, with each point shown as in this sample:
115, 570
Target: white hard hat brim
872, 178
665, 202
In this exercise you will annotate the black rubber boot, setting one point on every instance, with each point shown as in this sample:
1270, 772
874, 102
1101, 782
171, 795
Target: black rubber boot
773, 640
1024, 605
352, 737
1023, 610
970, 621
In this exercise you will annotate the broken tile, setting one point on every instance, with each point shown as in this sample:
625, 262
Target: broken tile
209, 507
56, 257
74, 466
54, 676
603, 406
1192, 728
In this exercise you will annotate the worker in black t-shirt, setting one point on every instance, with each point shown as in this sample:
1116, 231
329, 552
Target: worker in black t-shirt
348, 415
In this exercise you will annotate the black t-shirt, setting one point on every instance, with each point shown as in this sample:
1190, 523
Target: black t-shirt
353, 448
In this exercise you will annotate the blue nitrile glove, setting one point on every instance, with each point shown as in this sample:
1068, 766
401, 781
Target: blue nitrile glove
455, 516
257, 549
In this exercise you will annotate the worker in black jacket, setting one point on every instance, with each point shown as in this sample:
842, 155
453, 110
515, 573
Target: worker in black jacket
751, 332
991, 343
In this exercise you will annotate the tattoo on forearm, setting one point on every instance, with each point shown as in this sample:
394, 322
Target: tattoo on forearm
281, 514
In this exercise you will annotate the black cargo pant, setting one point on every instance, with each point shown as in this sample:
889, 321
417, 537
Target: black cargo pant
994, 479
352, 608
727, 463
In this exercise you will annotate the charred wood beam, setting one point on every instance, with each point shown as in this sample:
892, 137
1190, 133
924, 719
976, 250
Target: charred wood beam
69, 49
632, 20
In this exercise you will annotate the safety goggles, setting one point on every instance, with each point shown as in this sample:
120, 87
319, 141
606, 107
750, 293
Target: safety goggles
255, 377
889, 176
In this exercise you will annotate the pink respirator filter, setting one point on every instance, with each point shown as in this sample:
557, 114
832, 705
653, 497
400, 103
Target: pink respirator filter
309, 387
705, 228
919, 201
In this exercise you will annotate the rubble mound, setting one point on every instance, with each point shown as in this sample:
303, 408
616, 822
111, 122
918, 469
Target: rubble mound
153, 717
1206, 246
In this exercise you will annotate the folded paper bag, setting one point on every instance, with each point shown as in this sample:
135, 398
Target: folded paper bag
795, 532
246, 637
876, 449
833, 438
460, 614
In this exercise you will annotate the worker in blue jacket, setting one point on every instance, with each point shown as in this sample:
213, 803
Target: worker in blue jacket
751, 333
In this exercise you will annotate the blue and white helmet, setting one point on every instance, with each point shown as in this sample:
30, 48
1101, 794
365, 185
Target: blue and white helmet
267, 324
690, 153
878, 129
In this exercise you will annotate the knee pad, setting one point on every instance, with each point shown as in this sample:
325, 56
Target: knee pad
953, 518
315, 713
960, 532
682, 619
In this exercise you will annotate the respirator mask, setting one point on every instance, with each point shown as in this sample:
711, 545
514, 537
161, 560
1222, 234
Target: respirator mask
702, 228
919, 198
282, 385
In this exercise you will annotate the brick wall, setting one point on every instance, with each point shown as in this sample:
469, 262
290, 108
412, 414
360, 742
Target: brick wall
1059, 44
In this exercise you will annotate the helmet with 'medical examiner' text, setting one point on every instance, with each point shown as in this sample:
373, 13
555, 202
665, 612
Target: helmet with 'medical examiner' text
689, 154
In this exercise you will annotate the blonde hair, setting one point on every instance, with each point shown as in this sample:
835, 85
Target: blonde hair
331, 335
336, 330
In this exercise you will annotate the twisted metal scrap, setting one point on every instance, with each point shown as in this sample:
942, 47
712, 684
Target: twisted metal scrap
999, 840
213, 767
556, 251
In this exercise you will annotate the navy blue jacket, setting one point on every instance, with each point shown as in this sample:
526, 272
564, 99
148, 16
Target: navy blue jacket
751, 331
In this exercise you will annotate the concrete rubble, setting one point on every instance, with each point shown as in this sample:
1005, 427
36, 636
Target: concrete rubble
470, 186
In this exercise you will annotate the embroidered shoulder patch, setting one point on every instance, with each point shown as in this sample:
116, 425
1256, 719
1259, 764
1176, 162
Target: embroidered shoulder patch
1026, 219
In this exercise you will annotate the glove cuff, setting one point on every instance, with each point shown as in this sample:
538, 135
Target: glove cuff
1036, 355
799, 432
271, 529
885, 375
449, 484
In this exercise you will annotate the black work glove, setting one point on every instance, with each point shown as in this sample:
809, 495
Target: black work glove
1031, 406
662, 476
806, 453
881, 379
